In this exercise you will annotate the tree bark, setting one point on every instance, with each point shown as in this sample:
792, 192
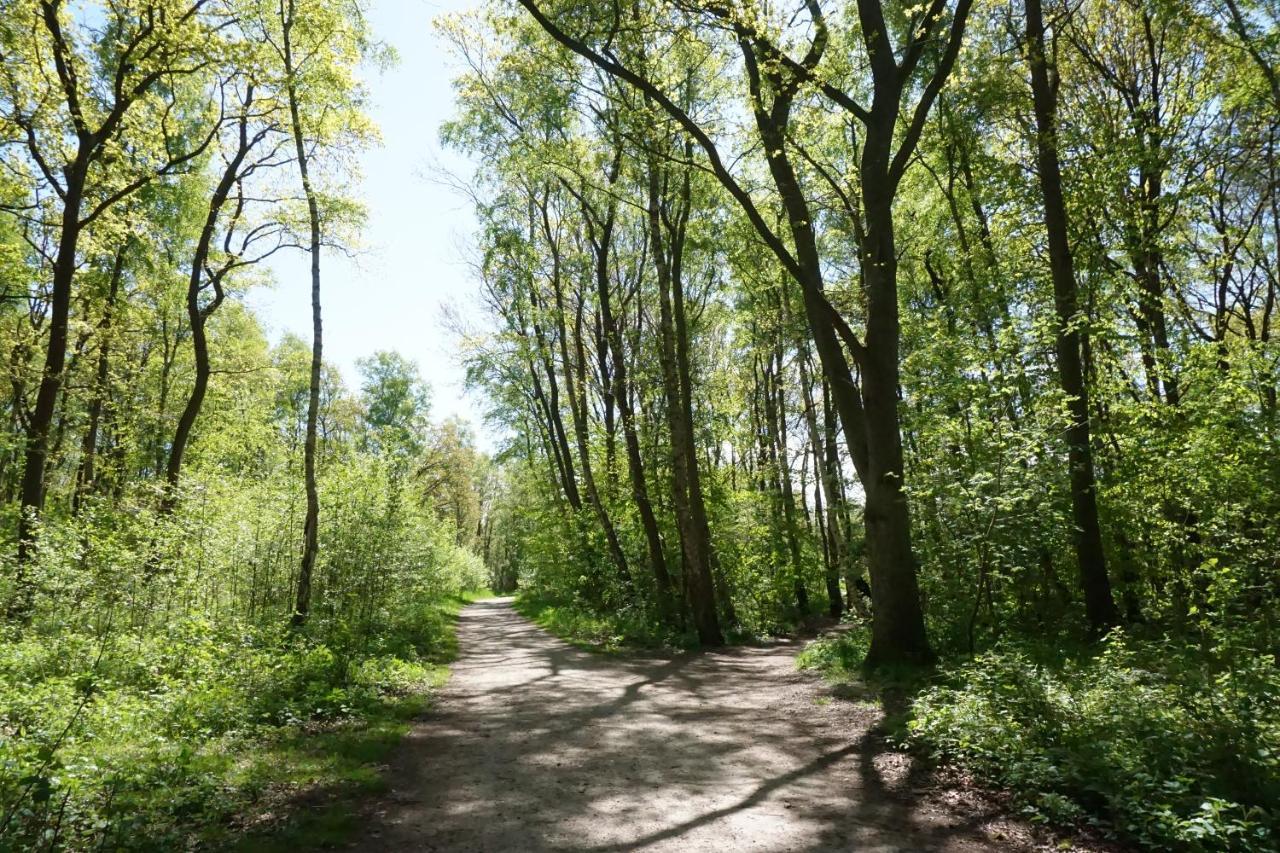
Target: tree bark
667, 238
310, 530
1100, 607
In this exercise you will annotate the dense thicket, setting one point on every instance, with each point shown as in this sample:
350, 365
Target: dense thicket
172, 608
957, 315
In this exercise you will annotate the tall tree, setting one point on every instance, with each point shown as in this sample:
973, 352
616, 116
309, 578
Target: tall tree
1094, 581
868, 409
80, 92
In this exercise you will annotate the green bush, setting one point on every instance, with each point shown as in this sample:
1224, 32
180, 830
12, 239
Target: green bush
626, 627
145, 706
838, 656
1162, 744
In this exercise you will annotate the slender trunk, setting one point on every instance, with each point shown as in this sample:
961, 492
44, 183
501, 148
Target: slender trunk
199, 315
786, 494
833, 550
310, 537
31, 494
578, 407
1100, 606
695, 534
87, 472
548, 432
560, 434
631, 440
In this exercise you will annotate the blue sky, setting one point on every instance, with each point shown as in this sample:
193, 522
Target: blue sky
394, 294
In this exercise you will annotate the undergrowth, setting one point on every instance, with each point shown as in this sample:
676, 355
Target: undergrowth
1162, 743
609, 633
203, 735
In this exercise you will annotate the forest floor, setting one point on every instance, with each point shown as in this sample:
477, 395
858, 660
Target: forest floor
537, 745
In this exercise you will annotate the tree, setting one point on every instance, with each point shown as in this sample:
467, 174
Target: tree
1099, 603
96, 126
251, 145
396, 403
868, 410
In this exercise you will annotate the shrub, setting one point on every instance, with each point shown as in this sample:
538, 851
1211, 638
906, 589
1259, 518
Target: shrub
1156, 741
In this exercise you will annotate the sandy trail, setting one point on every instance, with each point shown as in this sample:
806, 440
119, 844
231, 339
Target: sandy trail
535, 745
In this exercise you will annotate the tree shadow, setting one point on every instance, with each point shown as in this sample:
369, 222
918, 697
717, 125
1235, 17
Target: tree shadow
537, 745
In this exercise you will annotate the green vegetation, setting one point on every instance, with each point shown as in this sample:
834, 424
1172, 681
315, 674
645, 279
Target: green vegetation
952, 321
153, 736
1169, 747
1166, 741
186, 654
603, 632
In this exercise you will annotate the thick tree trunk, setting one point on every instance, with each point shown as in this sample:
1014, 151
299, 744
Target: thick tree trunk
1099, 604
897, 631
869, 411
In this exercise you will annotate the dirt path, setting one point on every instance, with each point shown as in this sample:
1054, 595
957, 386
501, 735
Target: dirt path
536, 745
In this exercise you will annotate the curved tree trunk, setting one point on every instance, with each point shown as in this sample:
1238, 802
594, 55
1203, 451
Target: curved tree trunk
198, 315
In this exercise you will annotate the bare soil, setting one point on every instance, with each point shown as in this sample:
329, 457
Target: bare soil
536, 745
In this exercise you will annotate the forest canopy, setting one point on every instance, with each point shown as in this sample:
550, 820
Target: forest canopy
954, 319
947, 323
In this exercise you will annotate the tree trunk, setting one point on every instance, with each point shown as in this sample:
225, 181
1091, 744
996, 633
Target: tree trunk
695, 533
897, 633
31, 494
199, 315
635, 462
783, 495
310, 530
578, 405
1100, 606
86, 475
834, 550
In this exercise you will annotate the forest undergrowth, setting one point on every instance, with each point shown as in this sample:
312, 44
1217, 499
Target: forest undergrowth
175, 725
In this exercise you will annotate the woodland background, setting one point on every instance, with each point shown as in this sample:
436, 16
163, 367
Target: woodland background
952, 321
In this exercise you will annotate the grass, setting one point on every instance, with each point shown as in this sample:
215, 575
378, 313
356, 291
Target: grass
320, 778
303, 788
838, 658
614, 634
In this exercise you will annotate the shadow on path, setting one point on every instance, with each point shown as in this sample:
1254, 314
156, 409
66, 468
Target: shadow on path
535, 745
